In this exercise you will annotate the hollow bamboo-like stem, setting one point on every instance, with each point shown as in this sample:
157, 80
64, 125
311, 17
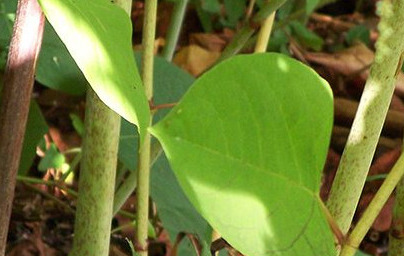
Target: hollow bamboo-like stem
371, 213
97, 179
97, 174
368, 122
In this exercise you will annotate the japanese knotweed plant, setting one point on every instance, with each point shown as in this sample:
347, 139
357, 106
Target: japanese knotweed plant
247, 142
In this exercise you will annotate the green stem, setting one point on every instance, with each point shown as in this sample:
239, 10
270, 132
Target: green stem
129, 184
371, 113
266, 10
238, 42
396, 238
149, 30
48, 183
374, 208
75, 162
174, 29
63, 187
396, 241
125, 190
245, 33
264, 34
97, 179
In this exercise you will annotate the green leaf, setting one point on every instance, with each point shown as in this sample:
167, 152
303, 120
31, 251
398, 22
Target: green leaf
211, 6
174, 208
310, 6
98, 34
268, 8
360, 33
248, 143
78, 124
7, 15
235, 9
36, 128
52, 159
306, 36
360, 253
278, 40
56, 69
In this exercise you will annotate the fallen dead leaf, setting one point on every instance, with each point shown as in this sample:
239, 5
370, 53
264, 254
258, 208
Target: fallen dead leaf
353, 62
212, 42
195, 59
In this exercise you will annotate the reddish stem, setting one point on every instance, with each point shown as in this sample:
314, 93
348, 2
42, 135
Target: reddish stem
18, 83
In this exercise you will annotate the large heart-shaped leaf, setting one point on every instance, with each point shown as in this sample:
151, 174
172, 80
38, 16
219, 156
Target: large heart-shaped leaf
97, 34
247, 144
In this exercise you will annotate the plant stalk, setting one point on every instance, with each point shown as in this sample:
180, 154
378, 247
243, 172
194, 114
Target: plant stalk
374, 208
129, 184
142, 194
264, 34
174, 29
371, 113
16, 94
97, 179
396, 237
251, 26
97, 174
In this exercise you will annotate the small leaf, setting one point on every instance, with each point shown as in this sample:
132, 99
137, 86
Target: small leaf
77, 124
360, 253
311, 5
98, 34
52, 159
359, 32
235, 9
306, 36
211, 6
248, 143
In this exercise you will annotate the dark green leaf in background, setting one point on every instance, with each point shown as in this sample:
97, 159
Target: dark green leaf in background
305, 36
56, 69
36, 128
248, 143
7, 16
212, 6
77, 123
358, 33
311, 5
360, 253
235, 10
279, 41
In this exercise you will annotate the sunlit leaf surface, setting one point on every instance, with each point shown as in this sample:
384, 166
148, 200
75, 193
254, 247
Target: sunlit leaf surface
97, 34
248, 143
